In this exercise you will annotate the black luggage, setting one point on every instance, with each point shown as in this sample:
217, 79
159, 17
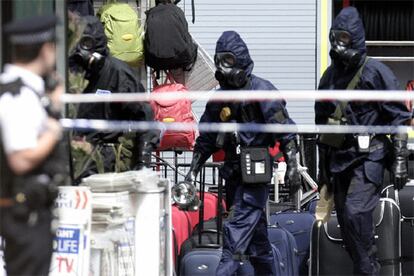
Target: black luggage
329, 257
327, 252
168, 44
207, 239
406, 202
405, 199
200, 254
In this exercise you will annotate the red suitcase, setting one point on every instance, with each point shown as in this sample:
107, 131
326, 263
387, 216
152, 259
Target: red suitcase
181, 228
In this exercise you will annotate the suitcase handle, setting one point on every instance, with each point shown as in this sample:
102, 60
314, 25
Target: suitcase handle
207, 231
209, 245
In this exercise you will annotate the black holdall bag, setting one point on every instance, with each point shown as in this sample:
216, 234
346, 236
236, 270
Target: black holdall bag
328, 255
168, 44
405, 200
256, 165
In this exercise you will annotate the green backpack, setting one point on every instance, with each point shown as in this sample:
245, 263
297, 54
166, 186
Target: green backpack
124, 33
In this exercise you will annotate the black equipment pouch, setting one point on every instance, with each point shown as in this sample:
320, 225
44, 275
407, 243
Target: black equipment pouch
337, 140
35, 191
256, 165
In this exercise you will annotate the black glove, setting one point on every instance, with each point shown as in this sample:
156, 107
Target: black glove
144, 155
292, 177
399, 169
324, 177
198, 161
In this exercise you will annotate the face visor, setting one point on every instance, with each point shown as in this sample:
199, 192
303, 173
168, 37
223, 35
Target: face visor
84, 54
341, 51
340, 37
228, 74
225, 60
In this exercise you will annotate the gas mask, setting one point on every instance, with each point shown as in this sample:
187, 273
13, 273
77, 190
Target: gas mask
84, 55
227, 74
341, 49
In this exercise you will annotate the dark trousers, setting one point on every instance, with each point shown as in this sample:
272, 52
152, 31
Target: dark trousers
246, 234
28, 248
356, 198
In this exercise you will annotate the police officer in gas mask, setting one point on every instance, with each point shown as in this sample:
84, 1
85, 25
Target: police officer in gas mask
247, 168
353, 165
106, 75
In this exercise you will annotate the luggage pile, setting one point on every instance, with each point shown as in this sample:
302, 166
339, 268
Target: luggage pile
197, 236
288, 231
303, 245
394, 232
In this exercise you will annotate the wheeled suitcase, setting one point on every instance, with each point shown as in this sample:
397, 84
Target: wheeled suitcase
211, 208
284, 241
311, 206
204, 262
299, 224
406, 202
181, 229
206, 238
278, 260
200, 253
405, 199
200, 261
329, 257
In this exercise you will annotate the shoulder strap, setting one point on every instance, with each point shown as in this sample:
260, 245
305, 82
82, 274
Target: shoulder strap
340, 109
11, 87
6, 174
355, 80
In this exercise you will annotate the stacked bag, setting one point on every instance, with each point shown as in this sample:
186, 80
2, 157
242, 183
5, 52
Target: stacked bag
394, 232
124, 33
171, 111
168, 44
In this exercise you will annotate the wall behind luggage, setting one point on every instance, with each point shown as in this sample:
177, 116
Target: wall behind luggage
281, 36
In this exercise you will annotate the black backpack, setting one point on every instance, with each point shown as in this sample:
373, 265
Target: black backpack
168, 44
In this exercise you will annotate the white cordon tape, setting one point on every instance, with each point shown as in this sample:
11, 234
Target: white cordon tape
133, 126
245, 95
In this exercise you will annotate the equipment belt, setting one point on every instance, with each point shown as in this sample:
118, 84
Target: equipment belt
241, 257
371, 148
6, 202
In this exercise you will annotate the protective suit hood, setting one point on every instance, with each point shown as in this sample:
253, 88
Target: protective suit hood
94, 28
230, 41
348, 20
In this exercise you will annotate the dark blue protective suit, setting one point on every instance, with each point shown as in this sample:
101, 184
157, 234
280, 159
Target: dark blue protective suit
357, 177
246, 232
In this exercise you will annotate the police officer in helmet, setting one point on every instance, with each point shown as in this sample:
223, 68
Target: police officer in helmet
245, 234
33, 159
353, 165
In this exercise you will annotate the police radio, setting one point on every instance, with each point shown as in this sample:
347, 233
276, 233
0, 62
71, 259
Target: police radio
51, 83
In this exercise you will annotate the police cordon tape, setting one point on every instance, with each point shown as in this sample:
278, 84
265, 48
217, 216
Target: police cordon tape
246, 95
133, 126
